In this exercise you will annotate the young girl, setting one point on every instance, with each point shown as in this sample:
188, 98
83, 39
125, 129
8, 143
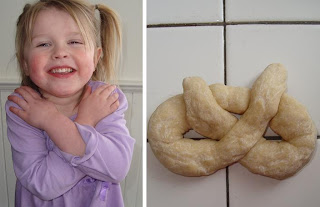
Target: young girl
70, 145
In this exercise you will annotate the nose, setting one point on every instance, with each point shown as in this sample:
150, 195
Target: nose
60, 52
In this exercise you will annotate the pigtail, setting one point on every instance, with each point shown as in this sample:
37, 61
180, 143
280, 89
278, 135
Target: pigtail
111, 44
22, 36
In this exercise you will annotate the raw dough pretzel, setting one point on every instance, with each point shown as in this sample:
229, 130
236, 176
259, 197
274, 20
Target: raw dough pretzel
206, 110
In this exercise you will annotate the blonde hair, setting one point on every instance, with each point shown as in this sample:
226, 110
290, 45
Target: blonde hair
105, 33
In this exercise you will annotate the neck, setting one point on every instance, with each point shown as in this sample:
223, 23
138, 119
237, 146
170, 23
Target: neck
65, 105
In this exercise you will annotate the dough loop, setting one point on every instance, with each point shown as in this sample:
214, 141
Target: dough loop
207, 110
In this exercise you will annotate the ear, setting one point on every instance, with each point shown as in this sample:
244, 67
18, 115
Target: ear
97, 56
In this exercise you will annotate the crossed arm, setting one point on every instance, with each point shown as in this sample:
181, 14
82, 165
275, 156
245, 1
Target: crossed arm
98, 147
43, 114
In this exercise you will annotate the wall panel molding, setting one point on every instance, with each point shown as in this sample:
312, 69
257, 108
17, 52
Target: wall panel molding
126, 86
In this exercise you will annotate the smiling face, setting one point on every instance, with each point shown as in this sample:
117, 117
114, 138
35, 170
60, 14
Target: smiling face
57, 59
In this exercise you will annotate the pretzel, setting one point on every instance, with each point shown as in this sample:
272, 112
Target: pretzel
207, 110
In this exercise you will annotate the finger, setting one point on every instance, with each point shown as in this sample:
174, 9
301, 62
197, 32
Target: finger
101, 88
24, 93
19, 101
114, 106
20, 113
108, 91
32, 92
112, 98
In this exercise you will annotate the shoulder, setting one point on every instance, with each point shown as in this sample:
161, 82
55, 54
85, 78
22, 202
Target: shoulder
13, 121
12, 104
95, 84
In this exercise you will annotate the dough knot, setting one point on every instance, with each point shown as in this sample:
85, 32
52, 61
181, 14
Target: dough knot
209, 110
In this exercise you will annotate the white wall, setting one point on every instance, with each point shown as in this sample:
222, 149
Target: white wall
130, 82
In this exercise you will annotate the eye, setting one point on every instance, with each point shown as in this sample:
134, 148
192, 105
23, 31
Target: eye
43, 45
73, 42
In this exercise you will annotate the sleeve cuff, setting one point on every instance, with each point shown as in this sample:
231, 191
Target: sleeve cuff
89, 136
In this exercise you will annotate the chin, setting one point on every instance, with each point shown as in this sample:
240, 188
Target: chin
66, 93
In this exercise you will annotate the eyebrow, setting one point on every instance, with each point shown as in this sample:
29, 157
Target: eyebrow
69, 34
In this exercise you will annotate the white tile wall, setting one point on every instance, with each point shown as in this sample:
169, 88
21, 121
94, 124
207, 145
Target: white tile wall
253, 34
168, 189
184, 11
250, 48
247, 189
272, 10
175, 53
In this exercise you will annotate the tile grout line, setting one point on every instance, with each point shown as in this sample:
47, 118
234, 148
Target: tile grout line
227, 186
224, 23
196, 24
225, 53
274, 22
278, 138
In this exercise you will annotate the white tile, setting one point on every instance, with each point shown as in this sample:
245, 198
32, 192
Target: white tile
184, 11
173, 54
272, 10
250, 48
176, 53
165, 188
247, 189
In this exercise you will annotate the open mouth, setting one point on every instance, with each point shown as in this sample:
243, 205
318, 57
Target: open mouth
61, 70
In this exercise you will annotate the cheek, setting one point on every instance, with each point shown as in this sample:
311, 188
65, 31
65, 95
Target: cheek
35, 63
87, 61
35, 69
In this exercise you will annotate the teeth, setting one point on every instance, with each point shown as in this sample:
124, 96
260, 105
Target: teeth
61, 70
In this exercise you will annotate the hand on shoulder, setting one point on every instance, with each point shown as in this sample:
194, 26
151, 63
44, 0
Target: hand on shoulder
33, 108
98, 104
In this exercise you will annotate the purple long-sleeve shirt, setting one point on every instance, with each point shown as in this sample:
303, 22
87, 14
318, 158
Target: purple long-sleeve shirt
49, 177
